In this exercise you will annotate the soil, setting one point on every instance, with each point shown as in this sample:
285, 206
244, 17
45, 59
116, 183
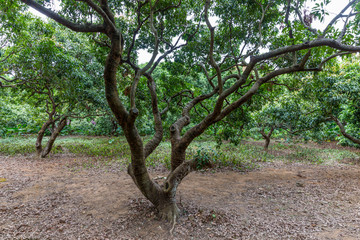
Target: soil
69, 197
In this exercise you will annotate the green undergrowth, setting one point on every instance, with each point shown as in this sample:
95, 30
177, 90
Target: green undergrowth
303, 153
82, 146
243, 157
17, 145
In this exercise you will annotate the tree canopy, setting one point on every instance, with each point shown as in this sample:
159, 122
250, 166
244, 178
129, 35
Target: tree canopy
210, 58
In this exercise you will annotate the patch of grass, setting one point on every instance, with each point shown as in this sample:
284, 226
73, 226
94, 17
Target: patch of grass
160, 157
17, 145
282, 146
95, 147
310, 155
85, 146
337, 155
244, 157
298, 153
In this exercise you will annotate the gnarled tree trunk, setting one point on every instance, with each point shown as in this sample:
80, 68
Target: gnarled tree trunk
163, 200
163, 197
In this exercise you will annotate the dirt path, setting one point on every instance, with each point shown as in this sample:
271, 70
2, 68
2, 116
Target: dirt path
58, 199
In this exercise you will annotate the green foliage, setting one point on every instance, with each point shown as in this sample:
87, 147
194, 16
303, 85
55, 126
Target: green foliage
241, 158
51, 78
66, 69
17, 119
313, 155
337, 95
204, 157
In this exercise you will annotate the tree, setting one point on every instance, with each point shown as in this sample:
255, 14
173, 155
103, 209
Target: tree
46, 74
337, 95
252, 43
287, 111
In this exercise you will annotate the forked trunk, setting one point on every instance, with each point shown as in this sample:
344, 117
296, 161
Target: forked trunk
163, 197
267, 137
40, 136
55, 133
43, 152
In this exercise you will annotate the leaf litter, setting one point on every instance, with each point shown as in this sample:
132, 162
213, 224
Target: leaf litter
47, 199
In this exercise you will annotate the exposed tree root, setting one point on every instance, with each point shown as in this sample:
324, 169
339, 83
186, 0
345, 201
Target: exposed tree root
173, 226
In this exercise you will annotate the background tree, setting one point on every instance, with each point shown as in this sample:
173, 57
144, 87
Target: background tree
246, 41
337, 94
289, 113
47, 69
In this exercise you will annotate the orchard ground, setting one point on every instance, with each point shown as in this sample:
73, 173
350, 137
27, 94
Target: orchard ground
294, 191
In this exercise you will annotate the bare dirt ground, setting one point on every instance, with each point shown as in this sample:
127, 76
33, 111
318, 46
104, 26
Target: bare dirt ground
61, 198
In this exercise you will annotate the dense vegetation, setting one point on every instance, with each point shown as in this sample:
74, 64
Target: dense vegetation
227, 69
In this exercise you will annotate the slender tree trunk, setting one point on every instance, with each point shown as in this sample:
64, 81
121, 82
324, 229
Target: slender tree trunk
267, 137
54, 135
267, 142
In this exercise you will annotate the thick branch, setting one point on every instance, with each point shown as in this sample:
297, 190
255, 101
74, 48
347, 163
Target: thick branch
73, 26
155, 141
176, 176
112, 95
343, 131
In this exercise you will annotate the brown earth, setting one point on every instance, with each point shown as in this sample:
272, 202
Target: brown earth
67, 197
